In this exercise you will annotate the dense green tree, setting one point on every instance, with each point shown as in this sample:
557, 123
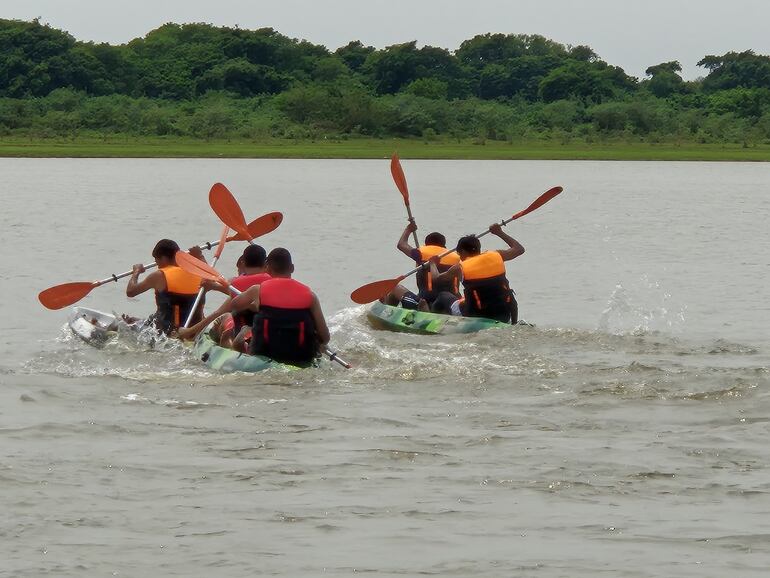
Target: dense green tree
202, 81
665, 79
736, 70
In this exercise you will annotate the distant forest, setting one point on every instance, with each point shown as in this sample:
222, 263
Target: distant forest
207, 82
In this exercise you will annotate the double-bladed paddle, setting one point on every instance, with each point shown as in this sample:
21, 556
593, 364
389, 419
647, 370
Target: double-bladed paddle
400, 180
206, 271
68, 293
217, 254
373, 291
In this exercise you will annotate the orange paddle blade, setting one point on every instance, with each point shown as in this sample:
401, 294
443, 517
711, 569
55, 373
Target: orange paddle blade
398, 177
373, 291
222, 241
197, 267
228, 210
66, 294
539, 202
260, 226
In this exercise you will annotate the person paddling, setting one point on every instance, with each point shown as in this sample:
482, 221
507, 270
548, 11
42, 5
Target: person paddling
175, 289
289, 325
486, 287
227, 326
428, 290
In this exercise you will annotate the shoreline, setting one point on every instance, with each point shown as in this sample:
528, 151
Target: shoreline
361, 148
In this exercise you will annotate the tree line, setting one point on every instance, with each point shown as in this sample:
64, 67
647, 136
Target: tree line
201, 81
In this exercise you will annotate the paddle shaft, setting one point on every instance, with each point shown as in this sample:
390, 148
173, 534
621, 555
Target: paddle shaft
113, 277
198, 298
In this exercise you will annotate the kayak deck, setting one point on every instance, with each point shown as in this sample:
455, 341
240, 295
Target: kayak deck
391, 318
228, 360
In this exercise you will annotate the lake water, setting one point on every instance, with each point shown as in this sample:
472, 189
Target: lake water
626, 434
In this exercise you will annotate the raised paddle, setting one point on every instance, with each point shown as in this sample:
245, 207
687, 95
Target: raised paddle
201, 269
206, 271
68, 293
227, 209
217, 254
400, 180
373, 291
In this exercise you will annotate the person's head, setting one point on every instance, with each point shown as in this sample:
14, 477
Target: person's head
165, 252
253, 257
468, 246
239, 266
436, 239
279, 263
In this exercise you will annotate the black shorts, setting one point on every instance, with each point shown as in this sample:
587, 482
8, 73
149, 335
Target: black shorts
410, 300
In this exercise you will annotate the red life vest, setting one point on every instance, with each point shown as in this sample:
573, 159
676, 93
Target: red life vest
175, 303
242, 282
424, 279
284, 328
487, 292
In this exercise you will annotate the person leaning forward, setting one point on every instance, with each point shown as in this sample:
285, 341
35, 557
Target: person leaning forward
175, 289
289, 325
487, 292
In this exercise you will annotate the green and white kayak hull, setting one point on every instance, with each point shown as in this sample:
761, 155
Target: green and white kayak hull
229, 360
392, 318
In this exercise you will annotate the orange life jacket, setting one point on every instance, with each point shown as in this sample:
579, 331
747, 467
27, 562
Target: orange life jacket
175, 303
487, 291
424, 279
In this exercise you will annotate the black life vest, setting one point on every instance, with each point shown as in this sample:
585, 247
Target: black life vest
175, 303
487, 291
283, 328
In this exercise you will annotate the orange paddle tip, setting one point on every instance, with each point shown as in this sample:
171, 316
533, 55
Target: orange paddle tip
61, 296
373, 291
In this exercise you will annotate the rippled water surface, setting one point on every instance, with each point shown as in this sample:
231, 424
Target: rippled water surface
625, 434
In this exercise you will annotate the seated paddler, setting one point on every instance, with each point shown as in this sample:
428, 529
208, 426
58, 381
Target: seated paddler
428, 290
487, 292
288, 324
175, 289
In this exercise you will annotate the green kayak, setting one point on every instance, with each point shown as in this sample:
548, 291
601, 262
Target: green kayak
229, 360
392, 318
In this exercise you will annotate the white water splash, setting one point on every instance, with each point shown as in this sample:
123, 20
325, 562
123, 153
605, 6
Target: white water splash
643, 308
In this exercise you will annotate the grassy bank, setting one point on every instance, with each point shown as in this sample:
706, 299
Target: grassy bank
160, 147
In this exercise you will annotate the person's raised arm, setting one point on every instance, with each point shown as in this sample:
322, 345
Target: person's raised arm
515, 248
155, 280
320, 322
403, 243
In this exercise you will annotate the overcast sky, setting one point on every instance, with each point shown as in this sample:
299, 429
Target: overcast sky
630, 34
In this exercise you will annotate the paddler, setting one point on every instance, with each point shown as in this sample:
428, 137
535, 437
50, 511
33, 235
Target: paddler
486, 287
227, 326
175, 289
428, 289
289, 325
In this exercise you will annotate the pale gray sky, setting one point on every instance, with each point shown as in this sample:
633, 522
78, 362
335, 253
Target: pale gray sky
633, 35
